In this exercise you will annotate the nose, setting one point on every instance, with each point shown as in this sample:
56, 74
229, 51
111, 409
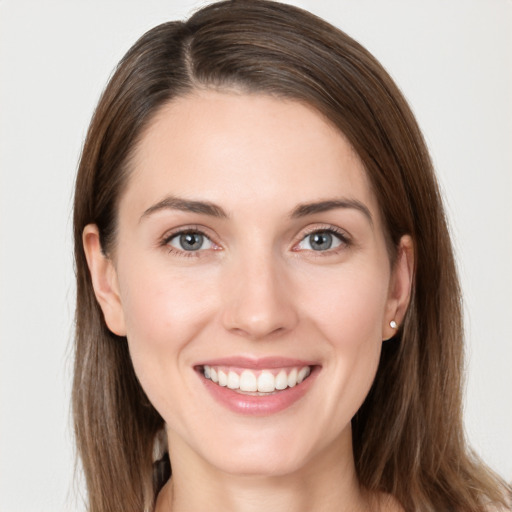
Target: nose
258, 299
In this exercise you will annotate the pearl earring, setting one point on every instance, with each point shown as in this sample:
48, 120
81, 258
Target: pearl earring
393, 324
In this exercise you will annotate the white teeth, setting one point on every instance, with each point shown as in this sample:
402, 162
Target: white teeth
233, 380
292, 378
281, 380
223, 378
303, 373
248, 381
265, 382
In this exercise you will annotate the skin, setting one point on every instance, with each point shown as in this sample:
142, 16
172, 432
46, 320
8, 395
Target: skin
256, 288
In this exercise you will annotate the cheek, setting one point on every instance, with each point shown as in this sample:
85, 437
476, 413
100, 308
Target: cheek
164, 311
348, 313
163, 316
348, 306
163, 307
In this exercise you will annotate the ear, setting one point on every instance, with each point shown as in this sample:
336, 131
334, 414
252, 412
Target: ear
104, 280
400, 287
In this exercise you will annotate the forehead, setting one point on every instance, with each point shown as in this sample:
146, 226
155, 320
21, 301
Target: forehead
237, 148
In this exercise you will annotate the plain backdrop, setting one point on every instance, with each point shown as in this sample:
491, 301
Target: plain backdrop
452, 59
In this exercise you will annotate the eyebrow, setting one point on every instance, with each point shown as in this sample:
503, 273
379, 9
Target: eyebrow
213, 210
186, 205
306, 209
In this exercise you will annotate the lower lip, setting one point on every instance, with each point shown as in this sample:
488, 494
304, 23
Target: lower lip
262, 405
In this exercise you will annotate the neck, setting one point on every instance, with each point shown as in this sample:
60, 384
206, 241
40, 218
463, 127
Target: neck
328, 483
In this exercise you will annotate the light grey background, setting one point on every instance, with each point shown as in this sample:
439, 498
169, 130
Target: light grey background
452, 59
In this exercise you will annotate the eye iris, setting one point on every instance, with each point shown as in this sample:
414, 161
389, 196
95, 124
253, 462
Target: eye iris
321, 241
191, 241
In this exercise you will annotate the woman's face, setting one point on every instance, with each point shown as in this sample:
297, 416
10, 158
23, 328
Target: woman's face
250, 256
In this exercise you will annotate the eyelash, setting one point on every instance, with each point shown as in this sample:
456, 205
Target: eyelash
184, 231
341, 235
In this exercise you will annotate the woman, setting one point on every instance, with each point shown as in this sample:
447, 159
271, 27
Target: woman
268, 306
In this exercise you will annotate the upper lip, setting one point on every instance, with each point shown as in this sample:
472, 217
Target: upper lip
257, 363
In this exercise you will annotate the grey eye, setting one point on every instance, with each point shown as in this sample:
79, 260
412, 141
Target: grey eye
190, 241
320, 241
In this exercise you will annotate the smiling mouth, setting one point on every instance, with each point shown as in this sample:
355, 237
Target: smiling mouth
256, 382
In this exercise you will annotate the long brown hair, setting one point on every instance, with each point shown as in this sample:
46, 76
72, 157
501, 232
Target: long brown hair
408, 435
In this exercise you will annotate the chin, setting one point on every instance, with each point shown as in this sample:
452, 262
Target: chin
266, 452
